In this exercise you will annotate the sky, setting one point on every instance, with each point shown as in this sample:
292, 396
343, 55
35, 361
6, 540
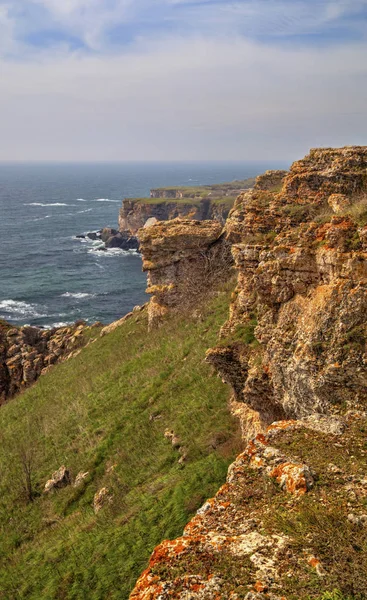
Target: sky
117, 80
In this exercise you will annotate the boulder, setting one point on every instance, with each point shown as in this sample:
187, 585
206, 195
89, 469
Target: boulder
101, 498
107, 232
122, 240
80, 478
60, 478
94, 235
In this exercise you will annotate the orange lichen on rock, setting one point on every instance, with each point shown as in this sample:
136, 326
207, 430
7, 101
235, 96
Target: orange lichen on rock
294, 478
281, 425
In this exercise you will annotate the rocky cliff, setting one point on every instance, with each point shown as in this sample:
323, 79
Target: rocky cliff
217, 190
28, 352
136, 212
183, 259
290, 521
208, 202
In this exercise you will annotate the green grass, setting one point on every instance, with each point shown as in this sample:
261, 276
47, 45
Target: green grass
205, 189
358, 211
105, 412
227, 201
190, 201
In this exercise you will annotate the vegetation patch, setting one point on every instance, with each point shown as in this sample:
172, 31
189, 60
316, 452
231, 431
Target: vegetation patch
105, 413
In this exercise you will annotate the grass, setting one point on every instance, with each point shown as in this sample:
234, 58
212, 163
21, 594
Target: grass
227, 201
358, 211
319, 520
205, 189
191, 201
244, 333
105, 412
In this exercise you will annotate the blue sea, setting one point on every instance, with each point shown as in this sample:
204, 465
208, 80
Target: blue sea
48, 277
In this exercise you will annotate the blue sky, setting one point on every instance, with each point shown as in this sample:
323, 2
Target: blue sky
180, 79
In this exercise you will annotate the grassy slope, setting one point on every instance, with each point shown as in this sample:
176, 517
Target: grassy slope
93, 414
227, 201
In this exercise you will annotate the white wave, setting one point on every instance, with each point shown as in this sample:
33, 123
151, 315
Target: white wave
105, 200
17, 308
81, 200
47, 204
59, 324
111, 252
39, 219
79, 212
77, 295
78, 239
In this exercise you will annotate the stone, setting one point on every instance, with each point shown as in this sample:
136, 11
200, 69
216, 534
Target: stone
101, 499
26, 353
60, 479
183, 258
80, 478
107, 232
359, 520
149, 222
338, 202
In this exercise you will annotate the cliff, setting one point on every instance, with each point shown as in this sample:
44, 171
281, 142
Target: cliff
215, 190
184, 260
211, 202
290, 521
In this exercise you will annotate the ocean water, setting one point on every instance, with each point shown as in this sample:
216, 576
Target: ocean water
47, 276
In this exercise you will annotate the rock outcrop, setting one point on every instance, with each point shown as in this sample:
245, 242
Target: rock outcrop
271, 532
60, 479
297, 328
28, 352
183, 259
294, 354
207, 202
217, 190
136, 212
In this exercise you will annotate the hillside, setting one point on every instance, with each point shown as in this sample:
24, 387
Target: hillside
105, 412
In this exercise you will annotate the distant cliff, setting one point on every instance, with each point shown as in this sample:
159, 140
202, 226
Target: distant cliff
210, 202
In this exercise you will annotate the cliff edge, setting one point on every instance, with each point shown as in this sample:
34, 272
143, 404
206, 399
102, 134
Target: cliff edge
290, 522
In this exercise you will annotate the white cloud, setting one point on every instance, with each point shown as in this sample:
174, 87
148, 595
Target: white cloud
184, 99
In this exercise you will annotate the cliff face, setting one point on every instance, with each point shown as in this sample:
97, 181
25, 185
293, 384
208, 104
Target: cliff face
206, 202
28, 352
294, 354
301, 294
183, 259
135, 213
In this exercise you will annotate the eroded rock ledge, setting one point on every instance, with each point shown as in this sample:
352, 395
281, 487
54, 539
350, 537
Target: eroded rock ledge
183, 259
28, 352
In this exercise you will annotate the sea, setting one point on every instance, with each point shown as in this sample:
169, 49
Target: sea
48, 276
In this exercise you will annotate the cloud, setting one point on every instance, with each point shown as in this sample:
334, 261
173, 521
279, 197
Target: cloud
179, 98
104, 25
180, 79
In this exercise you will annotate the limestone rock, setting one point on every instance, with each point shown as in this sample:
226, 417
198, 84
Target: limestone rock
80, 478
183, 259
338, 202
301, 292
27, 352
101, 499
60, 478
